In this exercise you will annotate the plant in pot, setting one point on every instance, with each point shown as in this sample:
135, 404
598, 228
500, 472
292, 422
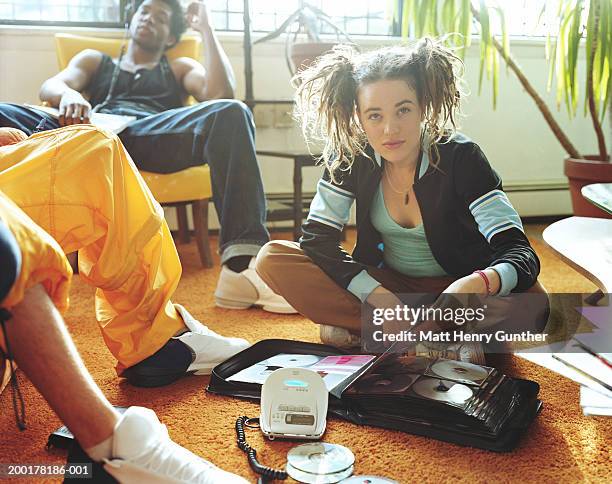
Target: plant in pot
580, 22
306, 22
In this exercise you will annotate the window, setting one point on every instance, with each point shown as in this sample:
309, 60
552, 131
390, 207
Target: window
367, 17
527, 18
357, 17
105, 13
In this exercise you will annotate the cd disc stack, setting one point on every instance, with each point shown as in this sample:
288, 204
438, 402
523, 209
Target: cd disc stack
444, 393
320, 463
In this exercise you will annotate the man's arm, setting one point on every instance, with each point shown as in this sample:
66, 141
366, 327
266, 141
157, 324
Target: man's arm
214, 80
64, 89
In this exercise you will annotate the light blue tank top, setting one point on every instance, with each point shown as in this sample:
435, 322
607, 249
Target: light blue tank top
405, 250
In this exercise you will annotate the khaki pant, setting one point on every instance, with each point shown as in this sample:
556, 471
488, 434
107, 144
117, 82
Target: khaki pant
293, 275
79, 185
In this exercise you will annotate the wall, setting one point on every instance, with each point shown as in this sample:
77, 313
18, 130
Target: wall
515, 138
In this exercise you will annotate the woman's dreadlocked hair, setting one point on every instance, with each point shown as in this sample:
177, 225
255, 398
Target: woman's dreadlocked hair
326, 96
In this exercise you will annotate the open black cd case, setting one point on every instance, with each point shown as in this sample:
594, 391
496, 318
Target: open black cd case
448, 400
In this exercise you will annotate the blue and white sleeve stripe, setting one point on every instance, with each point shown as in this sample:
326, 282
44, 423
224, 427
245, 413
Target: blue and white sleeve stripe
362, 285
331, 205
508, 277
494, 213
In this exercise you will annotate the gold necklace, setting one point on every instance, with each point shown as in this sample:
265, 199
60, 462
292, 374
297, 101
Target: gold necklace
400, 192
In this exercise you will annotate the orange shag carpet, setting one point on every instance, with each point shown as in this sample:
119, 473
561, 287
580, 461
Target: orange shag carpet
562, 445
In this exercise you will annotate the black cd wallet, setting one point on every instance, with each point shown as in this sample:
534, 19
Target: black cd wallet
449, 400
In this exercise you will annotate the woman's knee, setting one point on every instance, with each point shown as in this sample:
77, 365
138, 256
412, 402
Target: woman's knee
537, 288
272, 260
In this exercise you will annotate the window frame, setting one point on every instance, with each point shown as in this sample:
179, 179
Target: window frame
71, 23
121, 24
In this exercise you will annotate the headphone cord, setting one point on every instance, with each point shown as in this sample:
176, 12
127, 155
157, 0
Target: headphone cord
18, 403
117, 68
268, 473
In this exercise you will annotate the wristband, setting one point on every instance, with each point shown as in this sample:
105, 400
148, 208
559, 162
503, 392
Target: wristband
486, 281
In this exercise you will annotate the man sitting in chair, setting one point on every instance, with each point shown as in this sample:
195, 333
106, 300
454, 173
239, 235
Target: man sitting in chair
168, 137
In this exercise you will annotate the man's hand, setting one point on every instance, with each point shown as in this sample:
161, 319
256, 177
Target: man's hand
73, 108
197, 16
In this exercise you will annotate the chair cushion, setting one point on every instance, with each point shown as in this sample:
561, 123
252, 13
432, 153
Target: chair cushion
68, 45
182, 186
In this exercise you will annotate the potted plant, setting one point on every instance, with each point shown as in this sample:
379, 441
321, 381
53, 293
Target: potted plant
305, 21
579, 20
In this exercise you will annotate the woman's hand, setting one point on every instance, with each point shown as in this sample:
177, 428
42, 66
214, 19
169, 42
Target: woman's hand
463, 294
475, 284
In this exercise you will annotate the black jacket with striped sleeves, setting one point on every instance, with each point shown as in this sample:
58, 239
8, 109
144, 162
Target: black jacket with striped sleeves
469, 222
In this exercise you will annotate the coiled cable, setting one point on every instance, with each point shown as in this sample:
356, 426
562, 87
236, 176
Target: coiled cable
267, 472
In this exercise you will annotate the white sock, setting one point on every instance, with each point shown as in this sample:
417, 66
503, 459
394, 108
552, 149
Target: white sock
103, 450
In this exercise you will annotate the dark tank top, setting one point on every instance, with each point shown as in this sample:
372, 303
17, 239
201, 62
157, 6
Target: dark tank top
140, 93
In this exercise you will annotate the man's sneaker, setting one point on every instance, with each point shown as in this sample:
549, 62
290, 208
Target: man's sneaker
196, 351
338, 337
144, 453
242, 290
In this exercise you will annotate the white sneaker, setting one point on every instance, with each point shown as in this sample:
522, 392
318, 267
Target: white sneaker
207, 347
197, 350
143, 453
338, 337
242, 290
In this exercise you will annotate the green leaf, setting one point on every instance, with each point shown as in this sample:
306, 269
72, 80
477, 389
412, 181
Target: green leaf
505, 40
490, 61
574, 35
447, 16
421, 18
495, 77
562, 57
551, 65
465, 26
434, 27
485, 35
485, 32
606, 95
602, 44
589, 38
406, 17
482, 65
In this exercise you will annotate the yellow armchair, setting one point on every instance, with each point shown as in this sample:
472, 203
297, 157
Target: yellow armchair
187, 187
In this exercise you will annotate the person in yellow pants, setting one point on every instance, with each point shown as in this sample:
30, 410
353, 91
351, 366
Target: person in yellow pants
80, 186
130, 448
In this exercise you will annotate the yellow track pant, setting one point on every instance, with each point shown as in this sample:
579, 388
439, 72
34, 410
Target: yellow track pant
79, 184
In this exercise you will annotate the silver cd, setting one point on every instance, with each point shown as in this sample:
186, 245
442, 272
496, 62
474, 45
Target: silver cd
368, 480
321, 458
302, 476
459, 371
442, 390
291, 361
